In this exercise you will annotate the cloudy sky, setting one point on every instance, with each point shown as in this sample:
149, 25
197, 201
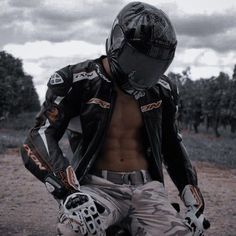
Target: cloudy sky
49, 34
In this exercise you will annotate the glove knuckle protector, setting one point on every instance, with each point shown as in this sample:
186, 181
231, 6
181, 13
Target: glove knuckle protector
81, 209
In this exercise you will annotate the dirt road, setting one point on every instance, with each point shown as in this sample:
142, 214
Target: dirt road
26, 209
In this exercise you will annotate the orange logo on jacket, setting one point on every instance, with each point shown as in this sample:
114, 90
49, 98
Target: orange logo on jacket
99, 102
34, 158
69, 178
151, 106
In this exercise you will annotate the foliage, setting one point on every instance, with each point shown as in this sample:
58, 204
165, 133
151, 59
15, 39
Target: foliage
17, 92
210, 100
14, 130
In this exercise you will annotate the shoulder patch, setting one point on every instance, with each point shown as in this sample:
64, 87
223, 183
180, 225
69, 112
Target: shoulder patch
61, 81
56, 79
164, 84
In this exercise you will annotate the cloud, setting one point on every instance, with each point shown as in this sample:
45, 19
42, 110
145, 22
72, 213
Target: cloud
46, 20
204, 25
204, 62
216, 31
91, 20
25, 3
49, 34
219, 42
42, 49
42, 58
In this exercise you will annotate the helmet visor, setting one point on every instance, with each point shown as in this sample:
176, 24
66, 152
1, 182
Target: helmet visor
143, 71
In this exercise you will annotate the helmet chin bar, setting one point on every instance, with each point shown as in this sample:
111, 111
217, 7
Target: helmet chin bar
129, 89
122, 80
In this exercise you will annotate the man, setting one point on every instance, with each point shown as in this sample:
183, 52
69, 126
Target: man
127, 112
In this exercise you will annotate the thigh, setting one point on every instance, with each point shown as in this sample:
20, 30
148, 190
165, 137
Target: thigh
153, 214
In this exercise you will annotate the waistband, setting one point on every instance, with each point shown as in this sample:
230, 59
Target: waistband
129, 178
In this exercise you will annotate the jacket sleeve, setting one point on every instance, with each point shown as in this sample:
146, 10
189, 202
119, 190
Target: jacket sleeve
174, 152
41, 152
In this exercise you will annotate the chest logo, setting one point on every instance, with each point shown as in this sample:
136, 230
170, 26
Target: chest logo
151, 106
99, 102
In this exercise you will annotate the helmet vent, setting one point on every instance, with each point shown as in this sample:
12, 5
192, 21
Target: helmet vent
139, 9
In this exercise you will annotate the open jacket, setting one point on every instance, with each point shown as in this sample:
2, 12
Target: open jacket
86, 90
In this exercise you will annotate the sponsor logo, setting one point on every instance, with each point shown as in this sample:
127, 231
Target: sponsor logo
164, 84
101, 74
196, 196
34, 158
132, 74
84, 75
56, 79
151, 106
138, 94
99, 102
71, 177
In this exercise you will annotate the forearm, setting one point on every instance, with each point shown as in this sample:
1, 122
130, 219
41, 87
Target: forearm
56, 172
177, 162
42, 154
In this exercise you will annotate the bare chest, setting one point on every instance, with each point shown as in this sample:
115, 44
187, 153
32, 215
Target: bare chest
126, 114
123, 150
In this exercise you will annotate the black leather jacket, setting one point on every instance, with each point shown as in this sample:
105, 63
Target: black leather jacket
86, 90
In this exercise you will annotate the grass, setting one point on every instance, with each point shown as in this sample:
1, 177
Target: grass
11, 139
13, 131
23, 121
204, 146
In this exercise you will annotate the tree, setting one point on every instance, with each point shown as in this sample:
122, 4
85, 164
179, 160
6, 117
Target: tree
17, 92
234, 73
212, 99
232, 104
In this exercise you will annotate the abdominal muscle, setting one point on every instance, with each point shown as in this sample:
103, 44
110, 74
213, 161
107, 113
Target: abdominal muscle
123, 149
124, 154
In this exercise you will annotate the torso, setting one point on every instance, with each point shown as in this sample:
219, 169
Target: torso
123, 149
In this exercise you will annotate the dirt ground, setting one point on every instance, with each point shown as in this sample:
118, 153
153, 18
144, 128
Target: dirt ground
26, 209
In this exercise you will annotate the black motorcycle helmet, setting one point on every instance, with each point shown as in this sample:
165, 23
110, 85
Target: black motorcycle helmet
140, 47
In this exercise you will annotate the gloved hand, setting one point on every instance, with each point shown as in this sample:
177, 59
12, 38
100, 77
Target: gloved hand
83, 214
194, 217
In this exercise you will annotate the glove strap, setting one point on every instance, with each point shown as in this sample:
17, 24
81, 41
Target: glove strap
62, 184
192, 197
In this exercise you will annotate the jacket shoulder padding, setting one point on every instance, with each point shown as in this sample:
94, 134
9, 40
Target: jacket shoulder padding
62, 80
169, 88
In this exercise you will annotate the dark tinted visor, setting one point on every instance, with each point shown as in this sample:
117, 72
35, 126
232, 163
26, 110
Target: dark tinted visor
158, 49
143, 71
